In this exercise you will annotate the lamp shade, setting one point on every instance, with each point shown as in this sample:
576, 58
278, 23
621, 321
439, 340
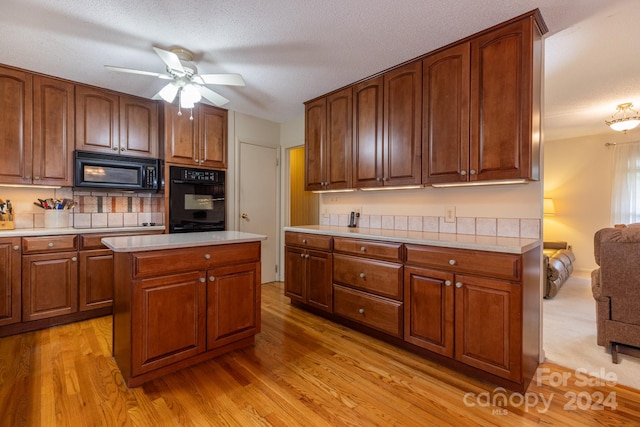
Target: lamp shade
548, 208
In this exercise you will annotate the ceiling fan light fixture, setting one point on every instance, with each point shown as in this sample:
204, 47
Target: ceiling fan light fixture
627, 119
192, 93
169, 92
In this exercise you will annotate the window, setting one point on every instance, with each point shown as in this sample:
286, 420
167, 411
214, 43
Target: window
625, 195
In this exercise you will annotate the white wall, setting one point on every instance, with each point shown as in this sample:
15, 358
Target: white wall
577, 177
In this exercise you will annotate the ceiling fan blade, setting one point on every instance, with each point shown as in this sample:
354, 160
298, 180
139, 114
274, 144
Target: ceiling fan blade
171, 59
132, 71
213, 97
223, 79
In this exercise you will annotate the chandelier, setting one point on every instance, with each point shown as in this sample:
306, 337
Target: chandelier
627, 118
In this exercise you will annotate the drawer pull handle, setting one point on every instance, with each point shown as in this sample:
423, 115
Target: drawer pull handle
16, 248
74, 259
458, 285
363, 249
50, 244
207, 256
362, 276
361, 310
202, 279
212, 278
447, 283
452, 262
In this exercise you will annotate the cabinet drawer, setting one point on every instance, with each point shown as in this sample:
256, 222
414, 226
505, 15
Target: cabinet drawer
379, 313
382, 278
498, 265
157, 263
46, 244
94, 241
313, 241
379, 250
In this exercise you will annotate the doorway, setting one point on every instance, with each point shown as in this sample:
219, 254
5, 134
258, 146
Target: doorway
303, 205
259, 200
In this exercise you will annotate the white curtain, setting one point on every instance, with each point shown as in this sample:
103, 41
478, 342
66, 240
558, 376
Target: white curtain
625, 195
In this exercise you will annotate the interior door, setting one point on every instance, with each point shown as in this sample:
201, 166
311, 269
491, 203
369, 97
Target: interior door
258, 201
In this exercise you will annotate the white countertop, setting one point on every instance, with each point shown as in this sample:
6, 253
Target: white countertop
26, 232
511, 245
156, 242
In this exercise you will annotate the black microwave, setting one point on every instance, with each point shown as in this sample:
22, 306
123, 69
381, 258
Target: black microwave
115, 172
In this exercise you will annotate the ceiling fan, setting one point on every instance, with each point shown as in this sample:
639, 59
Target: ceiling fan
185, 82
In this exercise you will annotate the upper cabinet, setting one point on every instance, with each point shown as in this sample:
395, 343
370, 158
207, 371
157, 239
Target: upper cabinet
117, 124
37, 122
467, 112
197, 138
328, 142
387, 119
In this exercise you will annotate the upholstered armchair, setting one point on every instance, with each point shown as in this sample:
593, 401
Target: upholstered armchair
616, 289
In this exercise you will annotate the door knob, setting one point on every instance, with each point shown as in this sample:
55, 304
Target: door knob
245, 216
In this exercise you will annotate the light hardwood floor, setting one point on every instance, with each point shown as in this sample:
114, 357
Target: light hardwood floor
302, 371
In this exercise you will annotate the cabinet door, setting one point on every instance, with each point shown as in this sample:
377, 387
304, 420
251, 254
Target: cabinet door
315, 118
402, 142
95, 279
320, 291
10, 284
501, 103
367, 133
138, 127
295, 273
50, 285
53, 131
233, 304
428, 309
489, 325
212, 135
168, 320
16, 114
180, 136
97, 120
445, 137
337, 154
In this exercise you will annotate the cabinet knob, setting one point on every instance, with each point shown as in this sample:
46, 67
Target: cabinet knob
304, 241
458, 284
51, 244
363, 248
472, 172
361, 310
301, 255
306, 256
122, 148
202, 279
385, 179
201, 161
378, 179
212, 278
447, 282
463, 173
362, 275
74, 259
115, 148
36, 178
207, 256
16, 248
28, 176
452, 262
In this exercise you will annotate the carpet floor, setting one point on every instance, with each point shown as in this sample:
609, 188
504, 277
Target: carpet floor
569, 335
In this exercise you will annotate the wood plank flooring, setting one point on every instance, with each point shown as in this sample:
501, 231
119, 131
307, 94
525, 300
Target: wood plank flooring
302, 371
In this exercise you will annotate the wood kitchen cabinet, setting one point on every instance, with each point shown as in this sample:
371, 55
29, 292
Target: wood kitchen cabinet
328, 142
49, 276
10, 281
308, 269
195, 138
108, 122
203, 303
387, 128
38, 122
475, 318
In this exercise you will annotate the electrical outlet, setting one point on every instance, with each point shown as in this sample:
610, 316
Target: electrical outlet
450, 214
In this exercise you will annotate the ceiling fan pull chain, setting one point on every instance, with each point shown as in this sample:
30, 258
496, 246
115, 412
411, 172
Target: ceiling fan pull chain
179, 110
191, 118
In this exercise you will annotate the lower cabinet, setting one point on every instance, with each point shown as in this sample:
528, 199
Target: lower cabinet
10, 281
95, 279
176, 307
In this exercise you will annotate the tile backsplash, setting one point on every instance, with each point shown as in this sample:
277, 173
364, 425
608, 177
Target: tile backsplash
100, 209
501, 227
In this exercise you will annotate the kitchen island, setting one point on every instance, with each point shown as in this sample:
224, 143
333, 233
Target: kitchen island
180, 299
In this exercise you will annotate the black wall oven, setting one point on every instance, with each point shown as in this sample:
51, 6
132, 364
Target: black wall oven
196, 200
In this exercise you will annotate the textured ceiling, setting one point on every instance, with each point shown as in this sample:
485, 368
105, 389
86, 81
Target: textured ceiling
289, 51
